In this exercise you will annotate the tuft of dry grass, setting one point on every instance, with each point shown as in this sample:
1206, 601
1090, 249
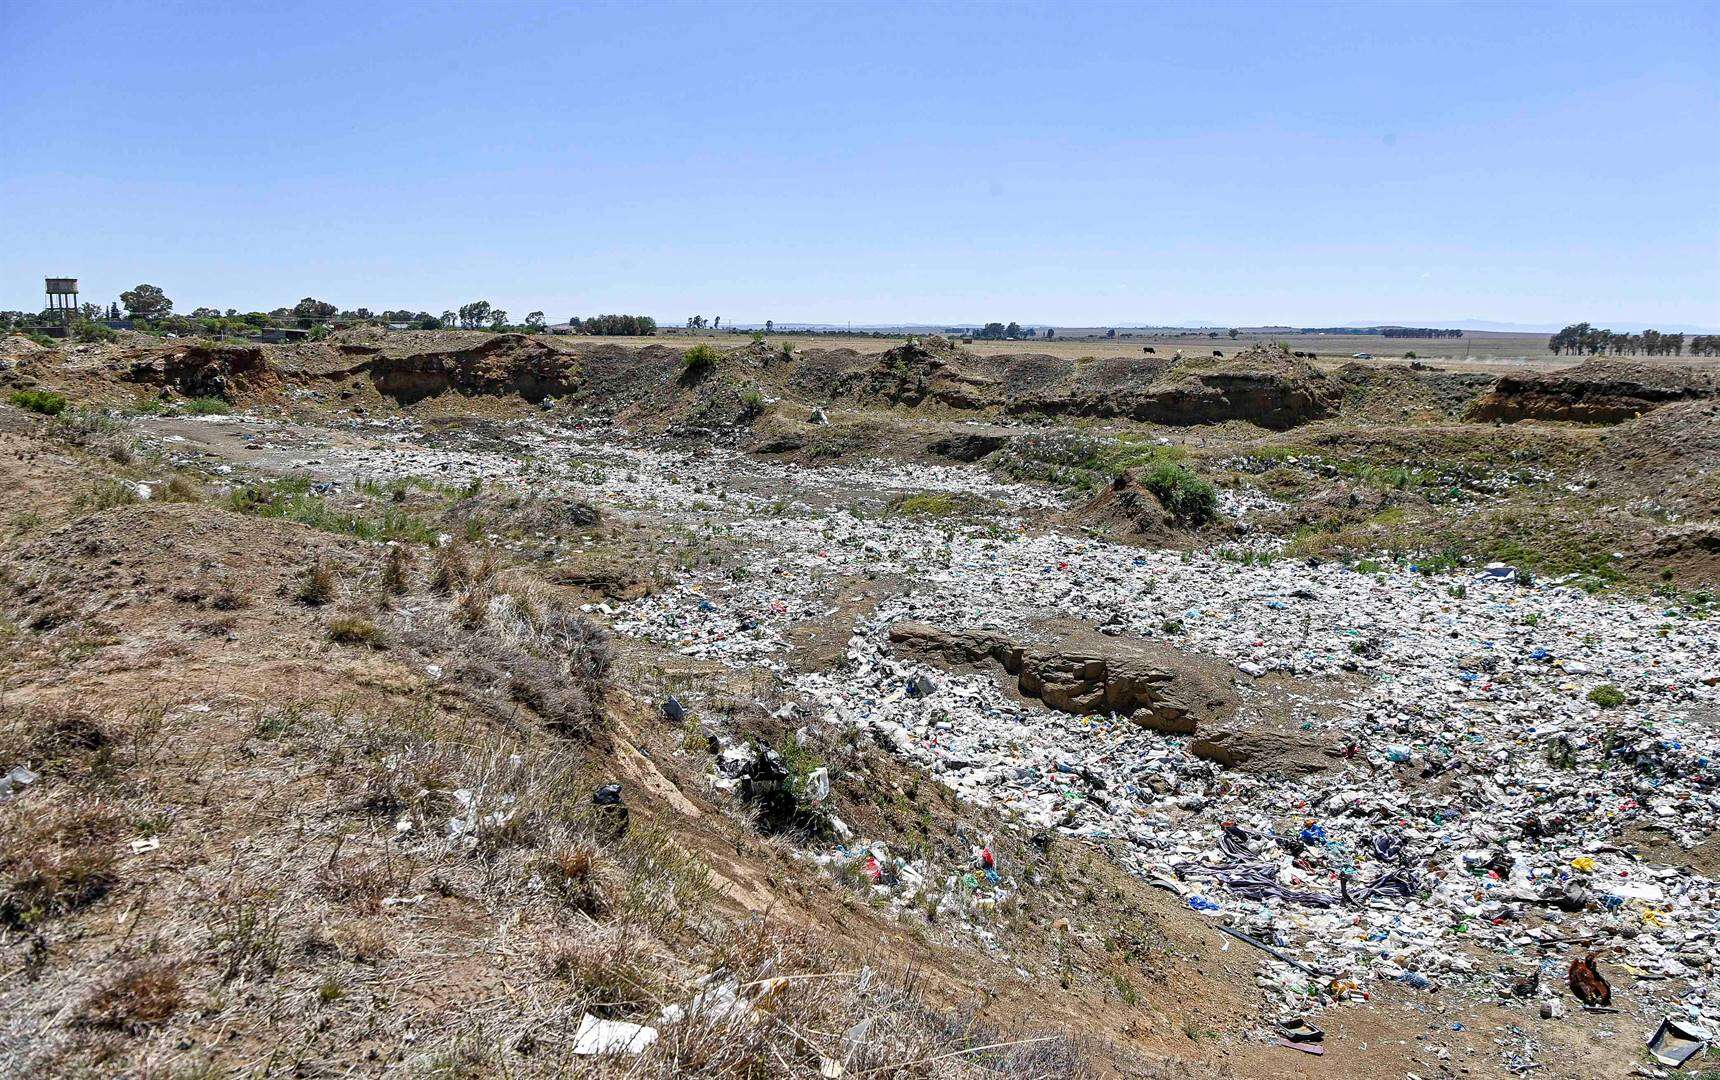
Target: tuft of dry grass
317, 585
140, 997
450, 570
613, 968
244, 933
569, 874
354, 630
54, 860
397, 570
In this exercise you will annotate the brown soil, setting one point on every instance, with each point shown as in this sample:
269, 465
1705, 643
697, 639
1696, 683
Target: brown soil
1596, 392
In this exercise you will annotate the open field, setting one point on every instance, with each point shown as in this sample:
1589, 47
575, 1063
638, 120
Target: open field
973, 716
1472, 352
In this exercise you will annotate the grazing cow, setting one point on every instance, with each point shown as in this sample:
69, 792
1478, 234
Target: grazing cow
1218, 352
1148, 349
1587, 984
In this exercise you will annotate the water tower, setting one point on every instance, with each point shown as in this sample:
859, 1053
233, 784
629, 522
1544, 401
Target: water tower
63, 297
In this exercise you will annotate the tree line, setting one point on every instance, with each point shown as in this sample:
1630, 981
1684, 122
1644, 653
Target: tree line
1582, 339
614, 325
1417, 332
149, 308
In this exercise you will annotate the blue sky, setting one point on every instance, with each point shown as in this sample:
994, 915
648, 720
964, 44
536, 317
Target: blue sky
1073, 164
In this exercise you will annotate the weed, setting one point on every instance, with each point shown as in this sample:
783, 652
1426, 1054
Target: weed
289, 499
181, 489
317, 586
245, 934
354, 630
568, 874
450, 570
698, 360
54, 862
1191, 500
142, 996
613, 968
396, 570
1125, 989
930, 504
207, 406
1607, 696
105, 495
45, 402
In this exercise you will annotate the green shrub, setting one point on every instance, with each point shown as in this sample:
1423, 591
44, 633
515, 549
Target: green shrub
1190, 499
207, 406
45, 402
41, 339
1607, 696
84, 330
698, 360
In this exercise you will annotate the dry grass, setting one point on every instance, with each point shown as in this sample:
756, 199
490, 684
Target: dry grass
140, 997
612, 968
569, 874
316, 586
354, 630
397, 570
54, 860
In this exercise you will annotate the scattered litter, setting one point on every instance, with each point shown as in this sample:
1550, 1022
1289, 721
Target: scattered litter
1675, 1042
17, 779
611, 1037
146, 843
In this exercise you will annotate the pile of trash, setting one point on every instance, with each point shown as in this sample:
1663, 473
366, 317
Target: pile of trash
1500, 748
1501, 744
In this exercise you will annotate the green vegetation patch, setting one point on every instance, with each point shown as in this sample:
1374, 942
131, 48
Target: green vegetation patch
45, 402
1191, 500
290, 499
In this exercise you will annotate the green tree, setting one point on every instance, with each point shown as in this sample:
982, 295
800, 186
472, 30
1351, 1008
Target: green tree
146, 302
312, 308
534, 321
475, 314
498, 320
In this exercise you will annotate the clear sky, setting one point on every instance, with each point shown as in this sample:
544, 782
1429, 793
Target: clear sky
1073, 163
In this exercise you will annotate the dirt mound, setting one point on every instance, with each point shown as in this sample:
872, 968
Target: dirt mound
230, 370
423, 365
1262, 384
928, 370
21, 360
1400, 391
1125, 510
1593, 392
1670, 454
163, 557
